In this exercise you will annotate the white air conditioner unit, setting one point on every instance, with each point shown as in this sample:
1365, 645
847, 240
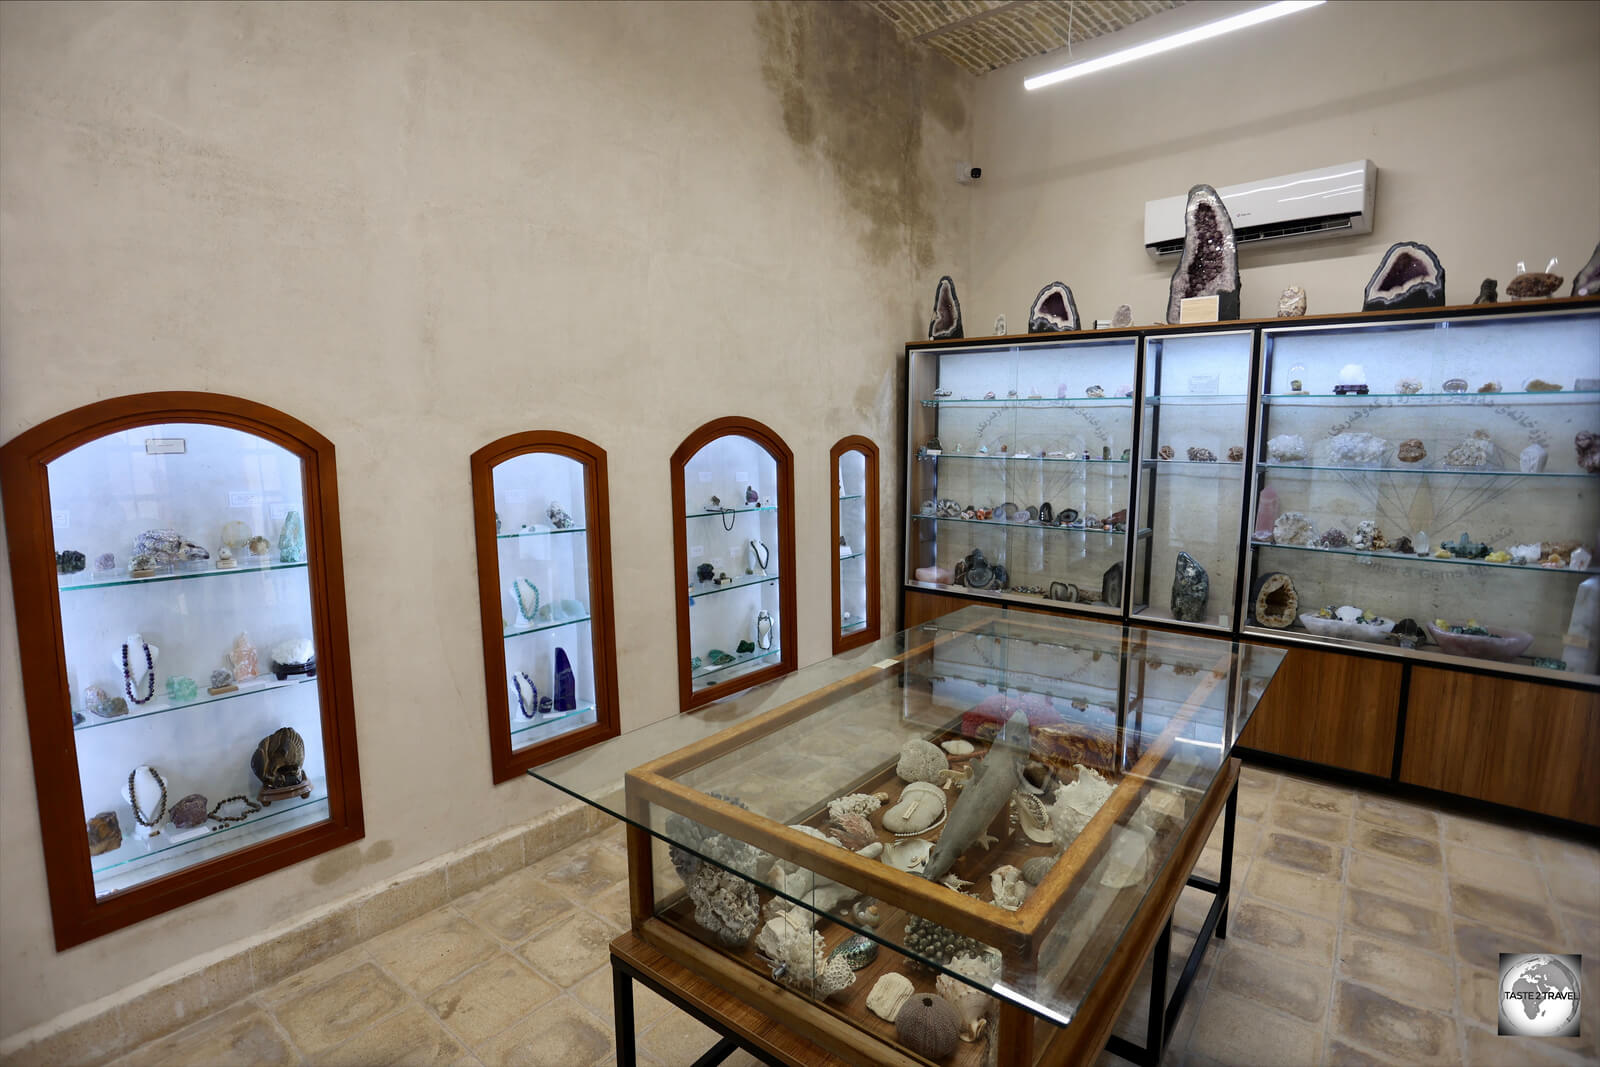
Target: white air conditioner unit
1325, 202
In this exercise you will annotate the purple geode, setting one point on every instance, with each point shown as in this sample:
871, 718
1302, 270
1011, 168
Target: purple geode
1587, 283
946, 322
1210, 262
189, 812
1053, 310
1408, 276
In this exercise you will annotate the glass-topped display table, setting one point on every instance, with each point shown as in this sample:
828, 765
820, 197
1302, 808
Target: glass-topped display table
993, 812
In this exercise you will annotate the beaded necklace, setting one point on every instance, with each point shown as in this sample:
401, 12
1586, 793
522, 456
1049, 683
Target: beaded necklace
133, 798
527, 704
251, 807
763, 554
149, 674
728, 517
522, 603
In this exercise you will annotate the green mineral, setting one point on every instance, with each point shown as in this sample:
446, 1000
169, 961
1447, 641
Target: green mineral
292, 539
181, 689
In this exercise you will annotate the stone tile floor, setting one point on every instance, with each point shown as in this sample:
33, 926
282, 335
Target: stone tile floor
1363, 931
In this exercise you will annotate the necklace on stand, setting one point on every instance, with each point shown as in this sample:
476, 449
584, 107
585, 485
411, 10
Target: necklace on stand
728, 517
527, 701
149, 674
133, 798
522, 601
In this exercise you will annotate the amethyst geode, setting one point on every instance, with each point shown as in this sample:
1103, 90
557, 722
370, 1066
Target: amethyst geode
946, 322
1053, 310
1210, 263
1587, 283
1408, 276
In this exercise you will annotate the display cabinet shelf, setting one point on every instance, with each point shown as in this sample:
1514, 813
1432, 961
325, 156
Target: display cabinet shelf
715, 513
1561, 396
1467, 472
541, 533
852, 496
1111, 466
1197, 399
1402, 557
1190, 466
211, 571
700, 589
853, 627
176, 848
853, 555
1001, 524
555, 624
248, 689
1033, 402
543, 722
739, 659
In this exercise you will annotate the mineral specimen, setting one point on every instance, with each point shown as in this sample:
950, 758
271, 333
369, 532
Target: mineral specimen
1287, 448
1588, 446
181, 689
1273, 601
70, 562
1202, 455
221, 680
105, 834
946, 312
1488, 292
1166, 452
1356, 449
1210, 263
562, 521
1539, 385
1581, 647
1409, 633
1293, 528
1063, 591
1190, 588
1475, 451
1369, 537
1408, 276
1000, 325
1352, 381
566, 691
259, 546
1292, 304
96, 701
1533, 458
1411, 451
292, 539
705, 572
160, 545
105, 561
1111, 584
889, 994
1266, 514
1403, 545
189, 812
1331, 538
928, 1026
1053, 310
1235, 453
1489, 387
1123, 316
1408, 386
1465, 548
1587, 283
724, 904
1534, 284
1094, 392
1498, 556
1455, 385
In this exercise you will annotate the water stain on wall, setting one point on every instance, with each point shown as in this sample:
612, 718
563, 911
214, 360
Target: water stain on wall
851, 90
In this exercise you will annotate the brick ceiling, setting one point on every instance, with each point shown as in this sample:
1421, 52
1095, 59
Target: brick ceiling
984, 35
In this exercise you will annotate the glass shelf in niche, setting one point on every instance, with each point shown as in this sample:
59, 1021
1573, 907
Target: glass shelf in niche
699, 589
1187, 465
852, 627
1001, 524
853, 555
263, 685
707, 669
1111, 465
541, 533
175, 843
1560, 396
1401, 557
1032, 401
852, 496
1197, 399
717, 513
553, 624
550, 720
1470, 472
122, 578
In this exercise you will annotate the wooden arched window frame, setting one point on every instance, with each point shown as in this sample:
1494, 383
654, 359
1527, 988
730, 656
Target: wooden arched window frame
865, 556
686, 512
508, 758
77, 914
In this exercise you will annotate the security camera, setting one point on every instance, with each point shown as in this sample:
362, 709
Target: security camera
967, 174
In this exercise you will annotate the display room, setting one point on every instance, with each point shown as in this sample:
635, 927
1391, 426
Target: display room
882, 532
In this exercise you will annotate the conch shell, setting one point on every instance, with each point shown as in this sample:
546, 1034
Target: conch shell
972, 1005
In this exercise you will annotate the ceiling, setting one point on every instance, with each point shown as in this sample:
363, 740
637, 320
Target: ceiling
985, 35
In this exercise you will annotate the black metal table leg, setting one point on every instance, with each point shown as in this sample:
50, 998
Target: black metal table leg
1225, 876
622, 1015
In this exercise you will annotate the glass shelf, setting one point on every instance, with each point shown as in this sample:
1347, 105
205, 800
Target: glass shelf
853, 555
1114, 464
697, 589
738, 658
719, 512
1430, 399
548, 720
1032, 401
1003, 524
263, 685
179, 576
853, 496
1159, 464
1471, 472
172, 840
552, 625
1198, 398
540, 533
1402, 557
853, 626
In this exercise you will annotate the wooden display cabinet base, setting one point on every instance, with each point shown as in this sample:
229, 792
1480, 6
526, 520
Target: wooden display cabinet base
283, 792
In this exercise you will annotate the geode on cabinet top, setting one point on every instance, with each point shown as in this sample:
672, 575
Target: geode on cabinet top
1053, 310
1210, 262
1587, 283
1408, 276
946, 322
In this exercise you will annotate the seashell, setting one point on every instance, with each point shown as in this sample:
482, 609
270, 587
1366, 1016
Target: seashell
872, 851
855, 950
920, 761
1032, 817
852, 830
928, 1026
958, 747
921, 808
889, 994
1076, 804
972, 1005
909, 854
1008, 887
1035, 870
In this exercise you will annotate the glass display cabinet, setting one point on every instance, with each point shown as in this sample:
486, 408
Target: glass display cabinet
1022, 469
855, 531
733, 542
1431, 487
544, 577
994, 811
179, 592
1193, 441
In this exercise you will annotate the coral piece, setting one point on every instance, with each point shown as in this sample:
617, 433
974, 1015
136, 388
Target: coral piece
1235, 453
1408, 276
1533, 458
1411, 450
1076, 803
1123, 316
1474, 451
1587, 283
1273, 601
690, 840
1287, 448
1293, 528
190, 812
105, 833
1166, 452
889, 994
852, 830
1369, 537
1209, 265
1408, 386
1588, 446
856, 804
1202, 455
797, 956
1488, 292
725, 904
1053, 310
946, 312
1190, 588
1292, 304
1331, 538
928, 1026
1533, 285
1356, 449
921, 761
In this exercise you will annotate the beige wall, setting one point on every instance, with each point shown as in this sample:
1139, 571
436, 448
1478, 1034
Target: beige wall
1479, 116
419, 228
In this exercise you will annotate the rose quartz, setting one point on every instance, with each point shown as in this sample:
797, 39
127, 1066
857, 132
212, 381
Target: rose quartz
1266, 514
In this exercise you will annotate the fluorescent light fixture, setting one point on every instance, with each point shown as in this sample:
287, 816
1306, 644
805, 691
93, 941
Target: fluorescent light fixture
1176, 40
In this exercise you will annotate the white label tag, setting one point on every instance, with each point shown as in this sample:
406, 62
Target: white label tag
60, 519
705, 476
243, 498
164, 446
742, 476
885, 664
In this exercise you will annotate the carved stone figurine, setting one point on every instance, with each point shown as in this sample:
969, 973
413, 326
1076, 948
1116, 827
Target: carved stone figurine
276, 763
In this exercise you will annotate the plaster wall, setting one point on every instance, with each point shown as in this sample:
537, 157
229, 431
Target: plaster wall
419, 228
1479, 116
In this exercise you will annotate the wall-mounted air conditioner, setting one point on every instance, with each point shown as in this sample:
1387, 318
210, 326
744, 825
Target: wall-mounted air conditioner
1325, 202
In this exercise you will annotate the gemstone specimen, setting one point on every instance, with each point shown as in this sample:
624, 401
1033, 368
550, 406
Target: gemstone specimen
1488, 293
566, 686
1534, 284
1587, 283
1273, 601
1190, 588
946, 312
1210, 262
1408, 276
1053, 310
